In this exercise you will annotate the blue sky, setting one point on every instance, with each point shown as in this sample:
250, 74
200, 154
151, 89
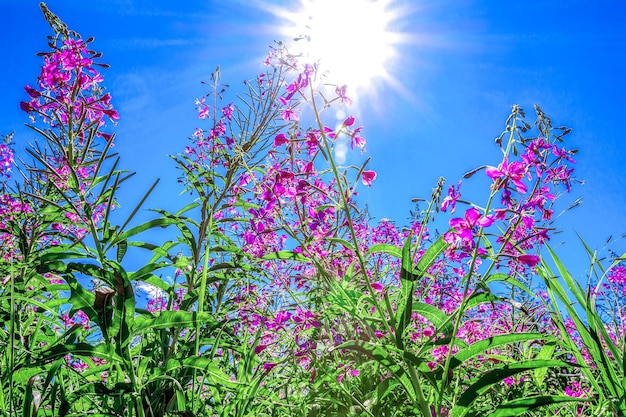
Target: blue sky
461, 67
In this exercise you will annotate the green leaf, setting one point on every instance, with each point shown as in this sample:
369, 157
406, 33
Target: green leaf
494, 376
479, 298
546, 352
392, 250
169, 319
101, 350
608, 383
430, 256
286, 255
508, 279
81, 299
207, 366
151, 224
382, 355
145, 272
481, 346
342, 242
405, 299
122, 248
440, 319
522, 405
124, 312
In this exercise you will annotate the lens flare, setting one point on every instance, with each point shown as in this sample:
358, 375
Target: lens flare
351, 39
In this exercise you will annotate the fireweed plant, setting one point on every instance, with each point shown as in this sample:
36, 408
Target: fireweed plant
273, 292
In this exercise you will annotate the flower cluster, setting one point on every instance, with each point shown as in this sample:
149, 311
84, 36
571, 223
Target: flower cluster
526, 188
6, 161
69, 89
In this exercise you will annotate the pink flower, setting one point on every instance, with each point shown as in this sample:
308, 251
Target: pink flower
451, 199
347, 370
368, 177
280, 139
289, 114
227, 111
514, 172
6, 160
305, 319
357, 141
377, 286
463, 229
530, 260
268, 366
342, 93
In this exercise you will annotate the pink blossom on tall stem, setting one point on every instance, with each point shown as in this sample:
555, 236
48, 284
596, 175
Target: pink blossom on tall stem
450, 200
342, 93
6, 160
305, 319
367, 177
463, 228
514, 172
290, 115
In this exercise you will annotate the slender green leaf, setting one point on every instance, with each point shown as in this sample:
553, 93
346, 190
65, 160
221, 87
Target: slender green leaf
546, 352
508, 279
440, 319
169, 319
478, 348
102, 350
494, 376
520, 406
151, 224
392, 250
207, 366
287, 255
432, 253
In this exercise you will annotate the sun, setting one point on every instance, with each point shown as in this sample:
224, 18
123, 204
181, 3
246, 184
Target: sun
353, 40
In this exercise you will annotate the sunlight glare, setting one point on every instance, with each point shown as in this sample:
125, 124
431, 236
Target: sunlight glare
351, 39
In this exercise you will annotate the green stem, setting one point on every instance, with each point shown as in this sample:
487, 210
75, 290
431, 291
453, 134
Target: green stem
458, 315
346, 207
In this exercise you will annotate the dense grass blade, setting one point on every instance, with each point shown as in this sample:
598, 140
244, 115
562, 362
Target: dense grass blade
405, 299
482, 346
169, 319
440, 319
382, 355
430, 256
496, 375
207, 366
520, 406
392, 250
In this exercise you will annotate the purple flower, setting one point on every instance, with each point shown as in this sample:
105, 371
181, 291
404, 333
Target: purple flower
280, 139
349, 121
529, 260
305, 319
514, 172
6, 160
268, 366
368, 177
463, 229
289, 114
451, 199
342, 94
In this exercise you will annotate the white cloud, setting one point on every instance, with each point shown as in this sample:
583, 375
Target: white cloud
151, 290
